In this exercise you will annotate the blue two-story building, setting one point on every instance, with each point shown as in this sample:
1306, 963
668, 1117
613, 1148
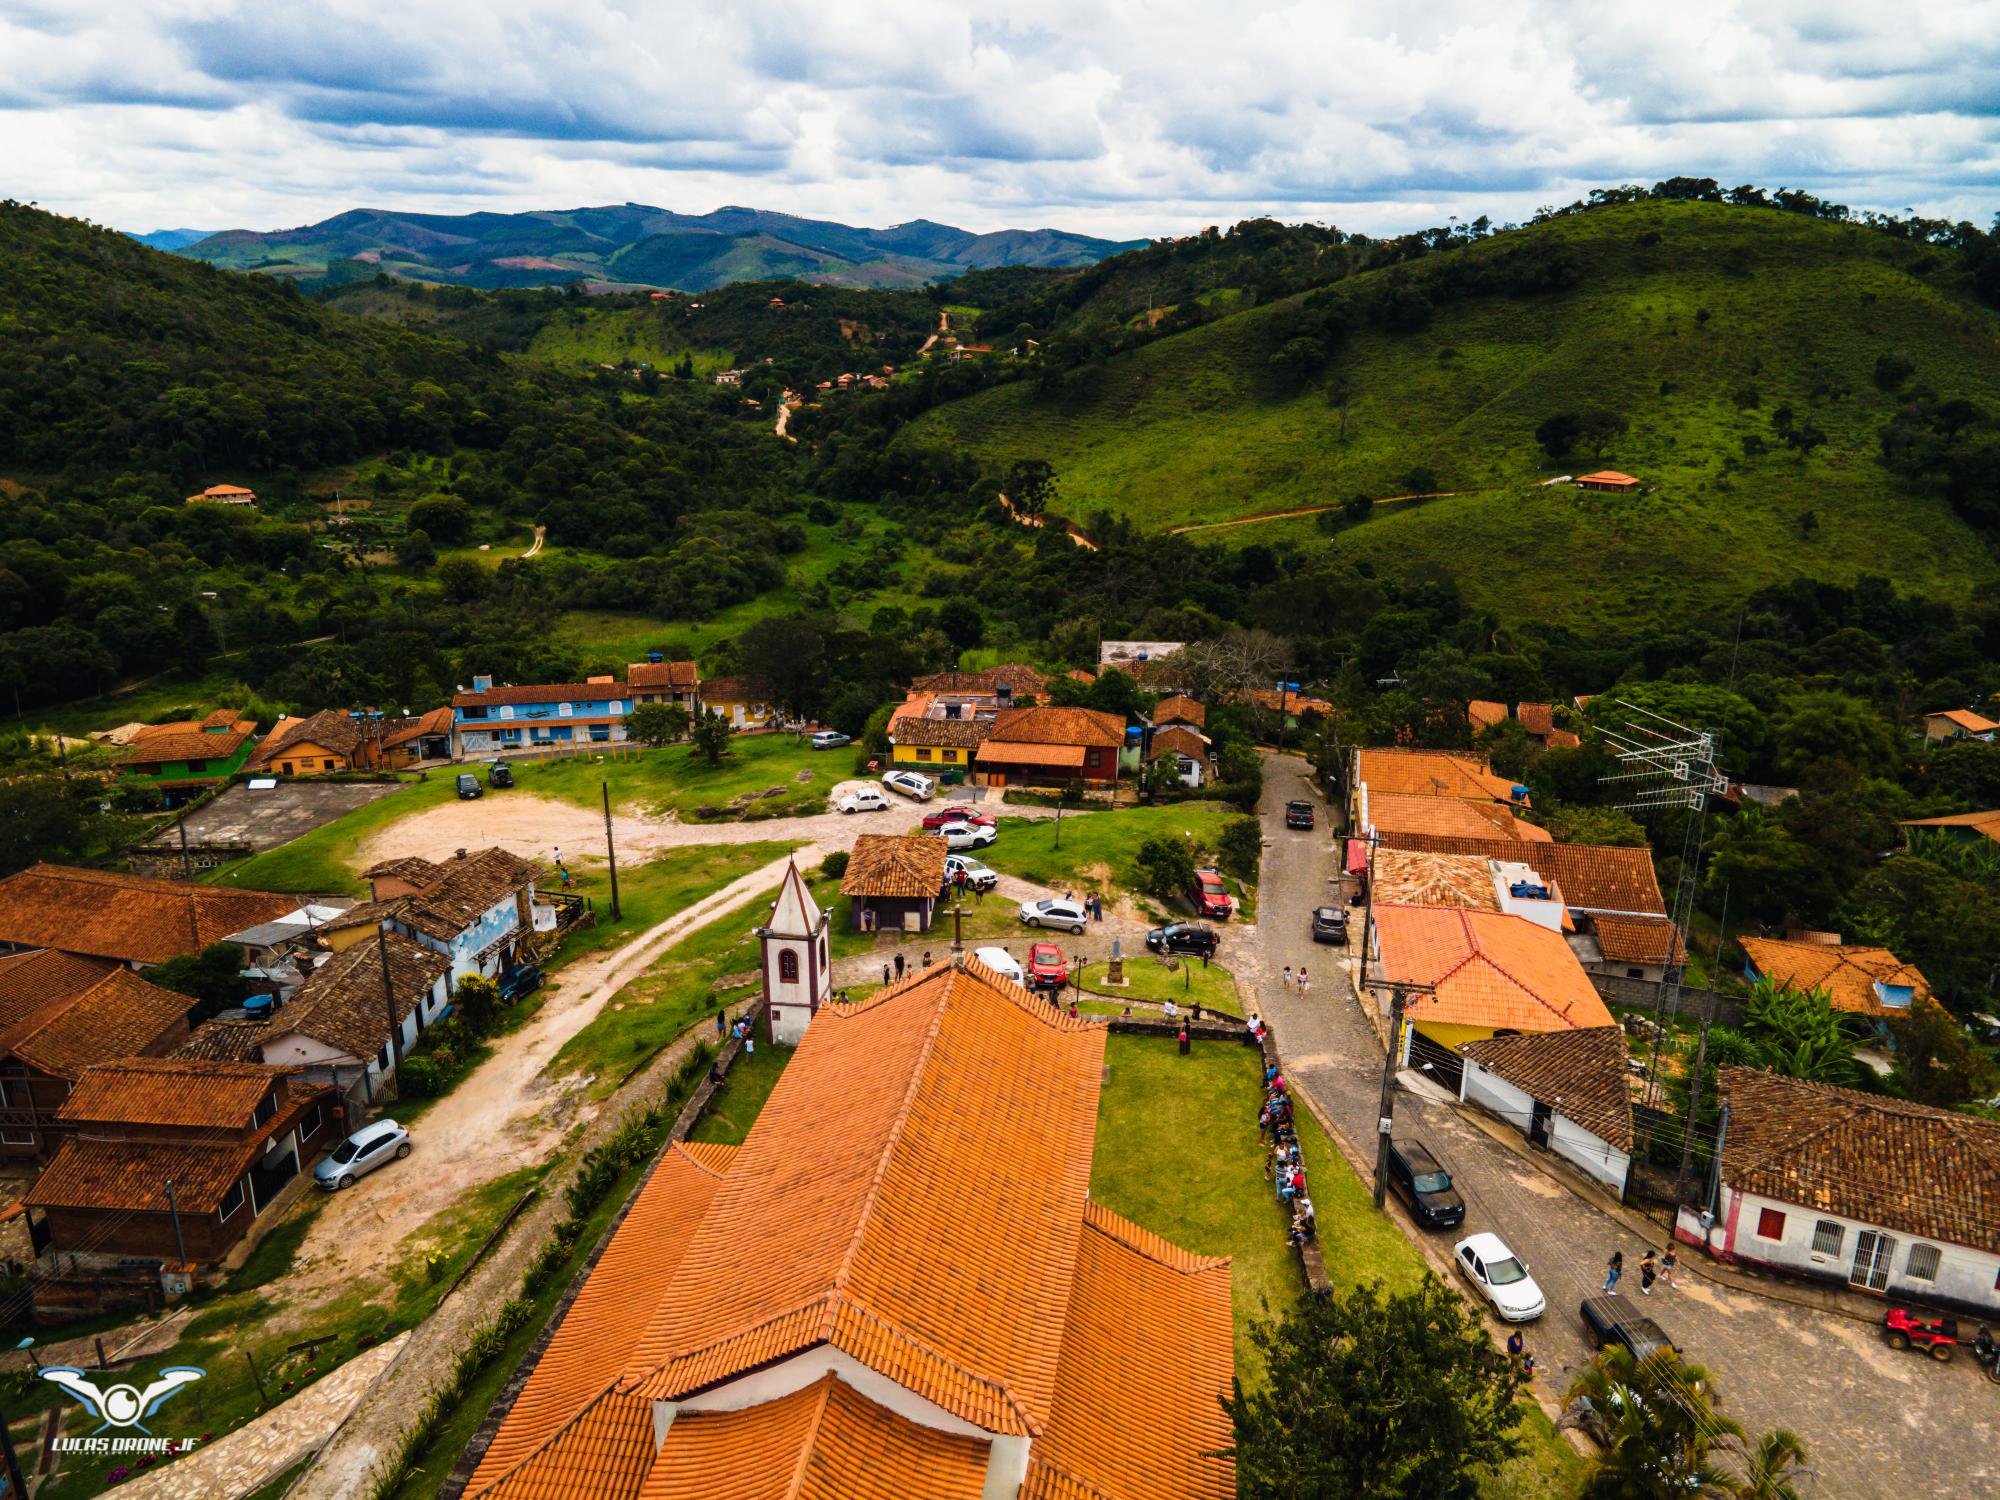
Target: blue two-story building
493, 720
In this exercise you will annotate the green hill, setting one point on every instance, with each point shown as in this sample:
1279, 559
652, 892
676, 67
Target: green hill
1700, 324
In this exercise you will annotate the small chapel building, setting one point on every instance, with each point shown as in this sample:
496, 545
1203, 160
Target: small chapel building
795, 961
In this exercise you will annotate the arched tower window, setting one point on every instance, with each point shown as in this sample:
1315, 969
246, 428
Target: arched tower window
788, 966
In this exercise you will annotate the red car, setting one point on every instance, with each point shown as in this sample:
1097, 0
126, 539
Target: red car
1210, 896
946, 815
1046, 966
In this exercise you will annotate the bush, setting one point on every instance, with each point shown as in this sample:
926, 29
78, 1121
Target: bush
834, 865
1165, 866
421, 1078
1241, 846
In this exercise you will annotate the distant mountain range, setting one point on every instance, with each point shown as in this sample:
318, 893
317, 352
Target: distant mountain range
629, 244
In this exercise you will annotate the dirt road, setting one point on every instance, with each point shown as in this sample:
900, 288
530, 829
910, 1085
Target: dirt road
540, 533
507, 1114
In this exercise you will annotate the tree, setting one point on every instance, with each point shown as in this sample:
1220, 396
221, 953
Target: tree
1662, 1435
657, 724
1031, 486
1241, 846
1373, 1397
414, 550
446, 518
1771, 1465
1601, 428
786, 655
1800, 1034
1937, 1062
710, 733
463, 580
1298, 360
1559, 433
214, 976
1161, 775
1355, 508
475, 1000
1813, 731
1165, 866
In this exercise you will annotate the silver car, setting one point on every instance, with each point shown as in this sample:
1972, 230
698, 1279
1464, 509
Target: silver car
361, 1153
1054, 912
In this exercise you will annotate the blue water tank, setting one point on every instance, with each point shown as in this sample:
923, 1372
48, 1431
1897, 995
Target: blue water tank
656, 657
257, 1007
1520, 793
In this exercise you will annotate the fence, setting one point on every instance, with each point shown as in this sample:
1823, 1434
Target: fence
1649, 995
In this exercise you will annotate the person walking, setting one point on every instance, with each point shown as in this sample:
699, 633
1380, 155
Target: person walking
1288, 976
722, 1022
885, 974
1614, 1270
899, 966
1648, 1270
1184, 1042
557, 854
1668, 1262
1302, 981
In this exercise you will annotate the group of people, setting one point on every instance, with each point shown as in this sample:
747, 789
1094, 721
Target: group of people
1285, 1167
1651, 1268
898, 967
1297, 982
1093, 905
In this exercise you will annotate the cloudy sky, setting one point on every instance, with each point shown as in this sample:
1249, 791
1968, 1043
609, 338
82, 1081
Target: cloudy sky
1121, 118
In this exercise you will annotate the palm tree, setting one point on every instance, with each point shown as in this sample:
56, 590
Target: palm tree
1771, 1466
1799, 1033
1662, 1438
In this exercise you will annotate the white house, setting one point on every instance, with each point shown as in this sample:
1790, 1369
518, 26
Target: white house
796, 965
336, 1026
1566, 1091
1886, 1196
474, 909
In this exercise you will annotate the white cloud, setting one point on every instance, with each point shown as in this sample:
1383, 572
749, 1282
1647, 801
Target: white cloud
1128, 117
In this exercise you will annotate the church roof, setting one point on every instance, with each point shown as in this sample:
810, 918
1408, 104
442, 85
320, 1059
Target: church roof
920, 1215
796, 914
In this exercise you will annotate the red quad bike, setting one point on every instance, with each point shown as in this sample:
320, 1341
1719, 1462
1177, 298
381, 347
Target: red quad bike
1905, 1329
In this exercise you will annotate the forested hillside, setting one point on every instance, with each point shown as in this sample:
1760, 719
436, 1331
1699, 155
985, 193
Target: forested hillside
1743, 363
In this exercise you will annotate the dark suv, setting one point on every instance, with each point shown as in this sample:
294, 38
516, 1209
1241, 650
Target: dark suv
500, 774
1298, 815
469, 787
1424, 1186
1329, 925
1183, 937
1611, 1319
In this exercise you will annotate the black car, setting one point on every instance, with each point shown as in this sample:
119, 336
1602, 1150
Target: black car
1329, 925
1298, 815
1184, 937
500, 774
1612, 1319
469, 787
1424, 1186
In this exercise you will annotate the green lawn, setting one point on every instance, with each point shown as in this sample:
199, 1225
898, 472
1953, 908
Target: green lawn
1148, 978
1097, 850
324, 860
742, 1095
649, 894
678, 990
677, 780
1178, 1153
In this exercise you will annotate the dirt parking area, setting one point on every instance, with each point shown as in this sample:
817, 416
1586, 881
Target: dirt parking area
266, 819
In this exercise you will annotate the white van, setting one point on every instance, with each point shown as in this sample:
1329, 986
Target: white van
863, 799
1003, 963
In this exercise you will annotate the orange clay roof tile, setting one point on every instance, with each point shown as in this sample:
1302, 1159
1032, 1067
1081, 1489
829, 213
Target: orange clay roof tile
1490, 969
604, 1452
825, 1441
1432, 773
598, 1332
1449, 817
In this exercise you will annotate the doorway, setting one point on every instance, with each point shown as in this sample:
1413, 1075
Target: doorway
1873, 1251
1538, 1124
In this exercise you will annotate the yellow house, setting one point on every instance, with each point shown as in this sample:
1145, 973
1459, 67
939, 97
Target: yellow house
1491, 973
738, 702
937, 744
327, 741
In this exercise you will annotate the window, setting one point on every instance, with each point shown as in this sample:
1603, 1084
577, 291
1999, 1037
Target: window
565, 710
266, 1107
1635, 973
822, 953
197, 765
506, 710
1923, 1263
1827, 1237
310, 1122
1093, 758
1770, 1224
788, 967
231, 1201
600, 731
923, 754
950, 755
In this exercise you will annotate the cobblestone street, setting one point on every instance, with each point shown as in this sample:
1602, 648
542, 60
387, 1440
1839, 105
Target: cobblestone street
1877, 1423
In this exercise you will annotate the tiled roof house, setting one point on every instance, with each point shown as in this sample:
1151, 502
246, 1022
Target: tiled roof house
133, 919
1872, 1192
896, 1287
893, 880
1864, 981
1046, 743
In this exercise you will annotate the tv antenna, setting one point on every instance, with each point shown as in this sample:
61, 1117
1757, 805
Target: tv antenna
1661, 765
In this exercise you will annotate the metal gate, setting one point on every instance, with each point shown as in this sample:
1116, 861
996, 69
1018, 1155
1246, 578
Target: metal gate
1873, 1251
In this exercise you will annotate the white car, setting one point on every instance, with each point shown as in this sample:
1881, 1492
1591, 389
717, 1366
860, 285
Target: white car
958, 836
978, 876
863, 799
1003, 963
1053, 911
1499, 1276
910, 784
830, 739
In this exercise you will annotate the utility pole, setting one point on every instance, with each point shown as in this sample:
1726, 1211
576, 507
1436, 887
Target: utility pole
389, 999
610, 849
1386, 1111
180, 1245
